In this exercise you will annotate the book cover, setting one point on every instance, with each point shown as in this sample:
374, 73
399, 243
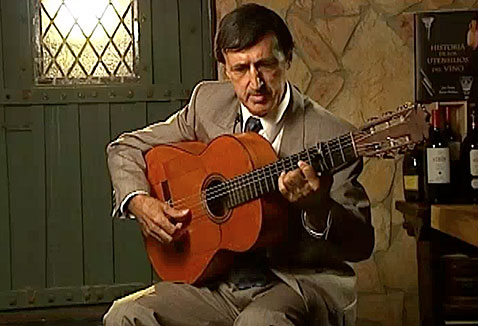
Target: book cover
446, 56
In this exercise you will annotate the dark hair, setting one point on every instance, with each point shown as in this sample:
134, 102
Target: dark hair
247, 25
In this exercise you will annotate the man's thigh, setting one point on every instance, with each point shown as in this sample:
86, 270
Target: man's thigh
170, 304
279, 306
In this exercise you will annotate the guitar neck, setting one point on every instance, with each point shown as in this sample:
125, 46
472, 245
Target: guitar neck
326, 158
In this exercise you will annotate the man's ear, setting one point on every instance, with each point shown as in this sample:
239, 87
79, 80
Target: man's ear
224, 72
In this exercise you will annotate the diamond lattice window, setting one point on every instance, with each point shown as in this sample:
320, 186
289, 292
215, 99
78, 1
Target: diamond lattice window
86, 41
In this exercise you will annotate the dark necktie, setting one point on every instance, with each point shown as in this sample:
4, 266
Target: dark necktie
253, 124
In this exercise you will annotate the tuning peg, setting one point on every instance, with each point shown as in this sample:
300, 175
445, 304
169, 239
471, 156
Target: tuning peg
406, 106
372, 119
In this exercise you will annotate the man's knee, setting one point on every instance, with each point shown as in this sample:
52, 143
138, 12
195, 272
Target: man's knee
129, 313
261, 316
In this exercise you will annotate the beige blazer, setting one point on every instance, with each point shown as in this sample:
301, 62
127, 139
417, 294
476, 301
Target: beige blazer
211, 112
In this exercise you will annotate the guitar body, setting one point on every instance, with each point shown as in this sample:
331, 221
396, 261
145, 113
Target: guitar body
180, 174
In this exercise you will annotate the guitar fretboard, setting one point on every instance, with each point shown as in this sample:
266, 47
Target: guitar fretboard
325, 157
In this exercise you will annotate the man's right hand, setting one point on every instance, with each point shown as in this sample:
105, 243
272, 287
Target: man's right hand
157, 218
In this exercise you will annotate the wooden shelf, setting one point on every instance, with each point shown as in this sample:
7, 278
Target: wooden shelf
459, 221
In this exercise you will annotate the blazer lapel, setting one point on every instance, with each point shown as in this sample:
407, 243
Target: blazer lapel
293, 137
226, 118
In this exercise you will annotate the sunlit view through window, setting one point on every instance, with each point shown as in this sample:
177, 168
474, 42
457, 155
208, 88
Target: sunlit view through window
86, 41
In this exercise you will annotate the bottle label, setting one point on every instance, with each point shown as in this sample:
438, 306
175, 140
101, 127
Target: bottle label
474, 162
454, 150
410, 182
438, 165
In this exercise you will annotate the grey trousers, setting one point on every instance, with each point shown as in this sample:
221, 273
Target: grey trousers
170, 304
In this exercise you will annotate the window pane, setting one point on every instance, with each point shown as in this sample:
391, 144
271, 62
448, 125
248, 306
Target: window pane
86, 41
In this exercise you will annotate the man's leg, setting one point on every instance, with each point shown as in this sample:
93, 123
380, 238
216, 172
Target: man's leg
279, 306
170, 304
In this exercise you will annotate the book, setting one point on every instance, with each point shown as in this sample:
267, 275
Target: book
446, 56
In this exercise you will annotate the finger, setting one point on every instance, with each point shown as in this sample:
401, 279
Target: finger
282, 187
310, 175
160, 234
291, 193
294, 180
179, 214
162, 221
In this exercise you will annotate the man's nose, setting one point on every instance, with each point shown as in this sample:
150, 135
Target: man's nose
256, 78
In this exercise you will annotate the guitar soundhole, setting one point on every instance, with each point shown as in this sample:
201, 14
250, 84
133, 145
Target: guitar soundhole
215, 199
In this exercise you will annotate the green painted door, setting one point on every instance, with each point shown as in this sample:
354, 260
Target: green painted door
58, 242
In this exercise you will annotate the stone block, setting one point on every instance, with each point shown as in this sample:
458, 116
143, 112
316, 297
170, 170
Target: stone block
223, 7
393, 7
313, 49
325, 87
368, 279
377, 178
398, 266
382, 226
279, 6
382, 80
337, 31
298, 73
381, 309
335, 8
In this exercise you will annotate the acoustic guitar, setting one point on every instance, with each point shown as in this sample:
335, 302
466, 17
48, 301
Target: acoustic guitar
231, 187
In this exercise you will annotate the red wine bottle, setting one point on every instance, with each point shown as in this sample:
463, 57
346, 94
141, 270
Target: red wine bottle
454, 142
469, 157
437, 163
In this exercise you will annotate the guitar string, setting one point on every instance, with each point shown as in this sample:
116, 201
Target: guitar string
196, 200
198, 205
212, 191
218, 190
357, 136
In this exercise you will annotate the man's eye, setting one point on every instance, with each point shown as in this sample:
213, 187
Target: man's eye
269, 65
239, 69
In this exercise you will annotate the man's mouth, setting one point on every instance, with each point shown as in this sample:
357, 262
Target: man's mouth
258, 97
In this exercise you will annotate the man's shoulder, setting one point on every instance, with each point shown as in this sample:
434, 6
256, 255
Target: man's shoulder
316, 113
207, 88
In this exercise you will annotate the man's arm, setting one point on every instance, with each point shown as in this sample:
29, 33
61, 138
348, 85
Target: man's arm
126, 154
336, 216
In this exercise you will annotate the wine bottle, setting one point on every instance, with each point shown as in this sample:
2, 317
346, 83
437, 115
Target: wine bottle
469, 157
412, 172
454, 143
437, 163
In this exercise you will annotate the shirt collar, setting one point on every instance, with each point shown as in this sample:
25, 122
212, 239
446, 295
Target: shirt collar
271, 120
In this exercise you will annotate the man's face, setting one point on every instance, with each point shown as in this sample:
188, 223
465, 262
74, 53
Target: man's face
258, 75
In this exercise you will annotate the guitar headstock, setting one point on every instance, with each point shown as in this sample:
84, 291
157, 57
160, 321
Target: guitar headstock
393, 133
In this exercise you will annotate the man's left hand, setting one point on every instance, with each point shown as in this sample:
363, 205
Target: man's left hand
302, 186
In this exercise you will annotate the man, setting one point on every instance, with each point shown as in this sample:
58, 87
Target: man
302, 281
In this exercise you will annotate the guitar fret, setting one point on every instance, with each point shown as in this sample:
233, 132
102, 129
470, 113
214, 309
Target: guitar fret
323, 161
248, 186
291, 160
330, 154
265, 178
341, 150
260, 183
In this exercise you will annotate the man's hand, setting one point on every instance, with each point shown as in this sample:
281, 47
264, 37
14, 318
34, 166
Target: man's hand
157, 218
302, 186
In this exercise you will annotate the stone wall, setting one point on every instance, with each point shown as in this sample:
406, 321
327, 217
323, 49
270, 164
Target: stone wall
355, 57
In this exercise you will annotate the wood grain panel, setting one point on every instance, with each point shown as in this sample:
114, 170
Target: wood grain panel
96, 194
26, 169
64, 215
